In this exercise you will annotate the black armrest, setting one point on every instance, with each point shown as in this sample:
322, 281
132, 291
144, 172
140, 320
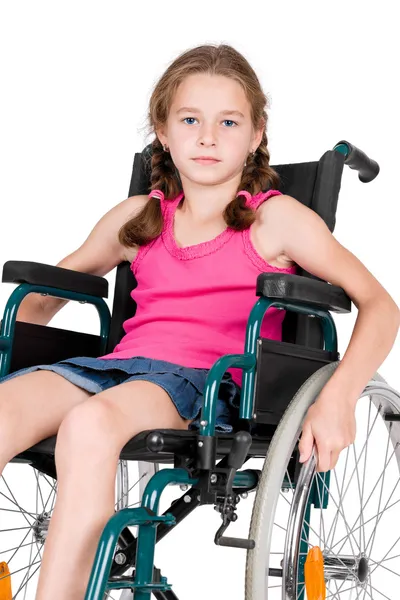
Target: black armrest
21, 271
303, 290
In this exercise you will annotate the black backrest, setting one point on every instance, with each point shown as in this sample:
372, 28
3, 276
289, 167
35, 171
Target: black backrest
315, 184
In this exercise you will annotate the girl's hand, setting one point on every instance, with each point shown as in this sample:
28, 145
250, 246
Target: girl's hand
331, 422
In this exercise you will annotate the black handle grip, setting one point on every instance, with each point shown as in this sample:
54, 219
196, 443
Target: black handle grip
356, 159
239, 450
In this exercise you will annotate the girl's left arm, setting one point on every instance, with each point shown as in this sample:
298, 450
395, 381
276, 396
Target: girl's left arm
307, 240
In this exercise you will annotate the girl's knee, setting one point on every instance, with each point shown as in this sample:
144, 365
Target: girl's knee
89, 430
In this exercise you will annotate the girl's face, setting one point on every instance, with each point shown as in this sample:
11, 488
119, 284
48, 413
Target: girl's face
210, 116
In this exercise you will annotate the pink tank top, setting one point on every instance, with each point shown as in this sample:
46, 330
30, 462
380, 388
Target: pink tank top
193, 303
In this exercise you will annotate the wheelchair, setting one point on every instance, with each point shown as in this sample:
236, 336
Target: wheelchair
311, 533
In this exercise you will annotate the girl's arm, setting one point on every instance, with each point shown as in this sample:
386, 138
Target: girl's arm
98, 255
305, 238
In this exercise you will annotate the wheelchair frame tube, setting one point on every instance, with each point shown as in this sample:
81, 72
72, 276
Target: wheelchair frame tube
248, 360
7, 329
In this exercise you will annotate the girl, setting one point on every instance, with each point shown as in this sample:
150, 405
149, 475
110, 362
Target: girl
196, 244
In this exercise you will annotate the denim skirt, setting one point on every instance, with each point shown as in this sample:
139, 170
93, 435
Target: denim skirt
184, 385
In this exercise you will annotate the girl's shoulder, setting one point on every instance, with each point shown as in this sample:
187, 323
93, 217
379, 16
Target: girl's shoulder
133, 205
265, 234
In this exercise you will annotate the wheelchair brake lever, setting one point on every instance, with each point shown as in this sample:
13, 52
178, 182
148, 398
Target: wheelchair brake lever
235, 460
228, 515
239, 450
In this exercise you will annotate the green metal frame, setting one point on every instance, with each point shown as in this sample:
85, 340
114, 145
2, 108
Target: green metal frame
7, 328
146, 516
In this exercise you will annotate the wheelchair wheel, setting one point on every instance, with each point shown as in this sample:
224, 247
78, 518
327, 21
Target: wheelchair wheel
351, 514
27, 499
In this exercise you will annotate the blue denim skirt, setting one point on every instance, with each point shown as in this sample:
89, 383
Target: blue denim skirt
184, 385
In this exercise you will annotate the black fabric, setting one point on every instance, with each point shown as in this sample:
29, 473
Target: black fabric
282, 369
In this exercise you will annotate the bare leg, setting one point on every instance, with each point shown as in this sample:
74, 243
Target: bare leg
32, 406
89, 443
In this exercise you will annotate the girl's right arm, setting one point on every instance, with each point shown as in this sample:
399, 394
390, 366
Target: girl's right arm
100, 253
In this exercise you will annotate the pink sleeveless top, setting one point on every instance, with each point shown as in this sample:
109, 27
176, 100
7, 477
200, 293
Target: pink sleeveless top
193, 303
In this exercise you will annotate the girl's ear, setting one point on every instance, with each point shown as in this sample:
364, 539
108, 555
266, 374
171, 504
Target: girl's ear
258, 136
161, 136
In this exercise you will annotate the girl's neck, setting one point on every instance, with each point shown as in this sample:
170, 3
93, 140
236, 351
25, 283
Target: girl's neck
203, 205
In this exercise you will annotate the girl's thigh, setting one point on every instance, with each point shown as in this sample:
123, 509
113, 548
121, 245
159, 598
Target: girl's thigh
32, 407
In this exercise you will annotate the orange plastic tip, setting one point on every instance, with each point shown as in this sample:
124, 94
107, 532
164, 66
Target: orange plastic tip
5, 582
314, 575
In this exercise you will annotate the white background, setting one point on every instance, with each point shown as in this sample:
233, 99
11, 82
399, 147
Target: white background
76, 78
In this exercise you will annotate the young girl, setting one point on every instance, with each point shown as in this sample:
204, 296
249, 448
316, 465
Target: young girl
196, 245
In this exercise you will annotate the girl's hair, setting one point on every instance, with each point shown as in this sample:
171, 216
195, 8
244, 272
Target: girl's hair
257, 174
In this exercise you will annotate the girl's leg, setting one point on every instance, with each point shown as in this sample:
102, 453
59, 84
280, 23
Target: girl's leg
32, 407
88, 447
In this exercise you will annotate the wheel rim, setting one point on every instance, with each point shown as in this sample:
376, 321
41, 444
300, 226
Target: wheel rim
27, 500
353, 571
363, 498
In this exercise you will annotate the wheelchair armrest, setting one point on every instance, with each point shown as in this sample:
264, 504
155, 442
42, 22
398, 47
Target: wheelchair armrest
21, 271
303, 290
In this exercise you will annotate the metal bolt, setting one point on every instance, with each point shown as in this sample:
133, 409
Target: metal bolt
187, 499
203, 423
184, 487
244, 495
200, 444
213, 478
254, 416
120, 558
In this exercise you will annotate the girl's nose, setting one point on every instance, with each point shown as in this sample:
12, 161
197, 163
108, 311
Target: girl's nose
207, 135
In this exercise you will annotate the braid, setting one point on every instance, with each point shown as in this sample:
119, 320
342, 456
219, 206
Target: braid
164, 175
148, 223
257, 176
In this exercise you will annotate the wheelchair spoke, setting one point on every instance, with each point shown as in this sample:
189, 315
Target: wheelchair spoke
378, 564
340, 508
321, 522
386, 559
366, 503
18, 547
335, 520
25, 512
367, 549
125, 494
362, 532
362, 451
361, 495
30, 577
381, 593
384, 567
335, 593
370, 519
19, 570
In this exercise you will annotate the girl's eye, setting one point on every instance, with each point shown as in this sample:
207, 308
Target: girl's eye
193, 119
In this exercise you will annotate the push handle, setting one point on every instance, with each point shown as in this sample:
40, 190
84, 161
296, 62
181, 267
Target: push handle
356, 159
